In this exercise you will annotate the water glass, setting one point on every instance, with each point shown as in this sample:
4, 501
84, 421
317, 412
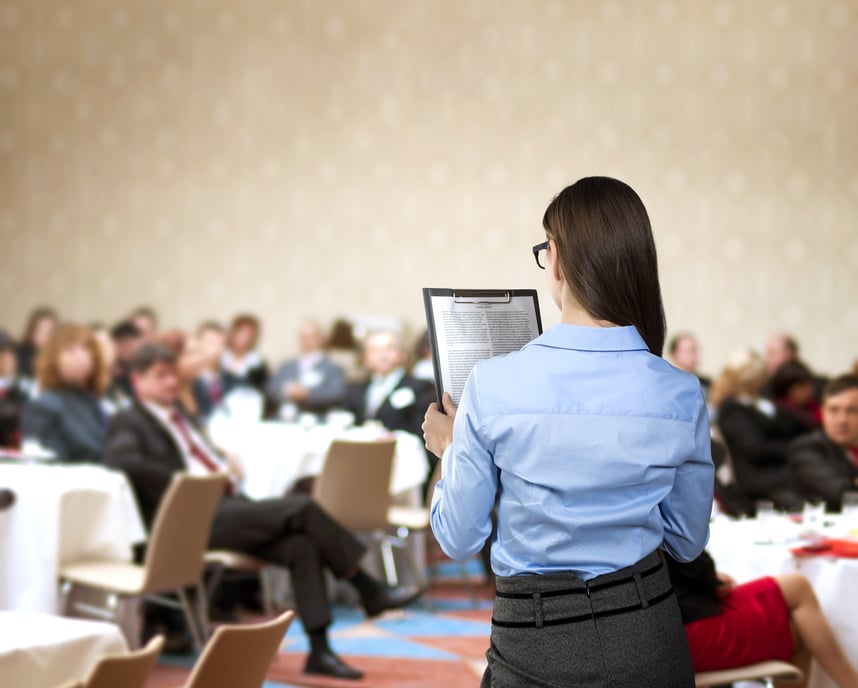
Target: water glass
850, 508
813, 514
765, 516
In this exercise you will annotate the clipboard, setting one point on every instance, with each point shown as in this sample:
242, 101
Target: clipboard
468, 325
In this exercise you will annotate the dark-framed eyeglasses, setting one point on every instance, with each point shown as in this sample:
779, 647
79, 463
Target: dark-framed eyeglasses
539, 252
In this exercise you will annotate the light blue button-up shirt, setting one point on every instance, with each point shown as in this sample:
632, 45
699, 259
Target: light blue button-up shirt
598, 451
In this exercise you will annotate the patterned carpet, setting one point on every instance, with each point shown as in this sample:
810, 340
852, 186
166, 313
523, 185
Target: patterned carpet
439, 641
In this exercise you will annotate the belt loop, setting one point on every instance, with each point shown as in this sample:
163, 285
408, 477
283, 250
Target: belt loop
537, 609
639, 585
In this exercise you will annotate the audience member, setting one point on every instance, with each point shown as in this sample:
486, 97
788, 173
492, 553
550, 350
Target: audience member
781, 348
344, 350
684, 354
755, 432
146, 321
310, 383
67, 416
241, 364
791, 389
127, 338
152, 440
423, 368
115, 397
193, 397
212, 340
824, 464
40, 325
390, 396
13, 394
771, 618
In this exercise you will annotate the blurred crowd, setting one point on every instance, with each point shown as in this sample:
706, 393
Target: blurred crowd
782, 435
61, 381
781, 432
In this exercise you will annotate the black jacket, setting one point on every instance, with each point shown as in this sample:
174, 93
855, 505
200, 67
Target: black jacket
820, 470
403, 409
758, 446
70, 422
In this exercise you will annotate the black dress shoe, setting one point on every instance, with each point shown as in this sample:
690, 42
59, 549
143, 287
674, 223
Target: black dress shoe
391, 597
328, 664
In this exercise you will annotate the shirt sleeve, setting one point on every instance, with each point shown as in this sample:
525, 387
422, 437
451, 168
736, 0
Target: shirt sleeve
465, 495
687, 508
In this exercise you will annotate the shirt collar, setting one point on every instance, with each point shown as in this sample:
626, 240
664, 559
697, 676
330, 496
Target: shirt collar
582, 338
162, 413
390, 380
311, 360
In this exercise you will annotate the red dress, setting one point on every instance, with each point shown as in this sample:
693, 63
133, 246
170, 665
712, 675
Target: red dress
754, 627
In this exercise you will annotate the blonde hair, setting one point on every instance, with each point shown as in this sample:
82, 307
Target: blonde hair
744, 374
66, 335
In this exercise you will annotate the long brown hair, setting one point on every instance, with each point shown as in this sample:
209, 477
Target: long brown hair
607, 255
37, 314
243, 320
743, 375
66, 335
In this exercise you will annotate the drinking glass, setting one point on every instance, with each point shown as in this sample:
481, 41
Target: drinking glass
813, 514
765, 517
850, 508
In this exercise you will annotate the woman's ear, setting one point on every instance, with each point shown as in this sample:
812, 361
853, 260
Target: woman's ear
555, 262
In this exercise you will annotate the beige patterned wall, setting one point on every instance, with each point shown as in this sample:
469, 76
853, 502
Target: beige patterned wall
306, 156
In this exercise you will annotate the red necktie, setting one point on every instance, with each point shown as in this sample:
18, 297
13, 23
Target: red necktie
853, 452
198, 452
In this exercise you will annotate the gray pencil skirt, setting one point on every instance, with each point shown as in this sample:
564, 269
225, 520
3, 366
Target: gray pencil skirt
621, 629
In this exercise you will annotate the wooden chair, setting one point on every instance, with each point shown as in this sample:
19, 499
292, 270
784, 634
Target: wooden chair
222, 560
239, 656
763, 672
174, 557
407, 519
129, 671
354, 488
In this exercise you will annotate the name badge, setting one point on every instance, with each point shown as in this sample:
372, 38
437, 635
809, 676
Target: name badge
402, 398
312, 378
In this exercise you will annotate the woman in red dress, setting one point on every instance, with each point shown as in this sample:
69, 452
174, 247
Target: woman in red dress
776, 617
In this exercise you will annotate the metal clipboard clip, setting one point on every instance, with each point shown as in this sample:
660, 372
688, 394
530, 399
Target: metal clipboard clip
481, 296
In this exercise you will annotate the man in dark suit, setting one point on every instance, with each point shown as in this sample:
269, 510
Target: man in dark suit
152, 440
312, 383
824, 464
390, 396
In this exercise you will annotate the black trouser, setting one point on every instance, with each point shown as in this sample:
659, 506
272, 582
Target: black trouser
618, 630
294, 532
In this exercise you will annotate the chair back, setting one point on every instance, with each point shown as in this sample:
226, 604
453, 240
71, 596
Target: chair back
180, 534
240, 656
767, 672
354, 485
129, 671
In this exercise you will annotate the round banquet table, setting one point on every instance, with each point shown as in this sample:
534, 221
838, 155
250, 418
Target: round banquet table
62, 513
45, 651
274, 454
750, 548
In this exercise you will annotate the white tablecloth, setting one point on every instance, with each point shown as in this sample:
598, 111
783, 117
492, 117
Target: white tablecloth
63, 513
46, 651
276, 454
749, 549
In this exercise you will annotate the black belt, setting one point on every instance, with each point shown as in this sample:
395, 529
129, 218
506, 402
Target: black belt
586, 589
